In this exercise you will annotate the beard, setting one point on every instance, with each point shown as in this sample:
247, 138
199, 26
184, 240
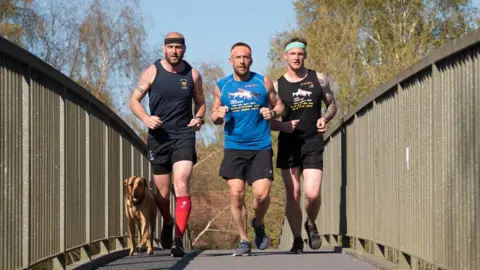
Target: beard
174, 59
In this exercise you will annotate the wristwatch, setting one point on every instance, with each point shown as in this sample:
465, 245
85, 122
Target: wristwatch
201, 119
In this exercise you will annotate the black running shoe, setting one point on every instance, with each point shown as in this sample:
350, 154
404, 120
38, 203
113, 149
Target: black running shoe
314, 240
166, 236
297, 246
261, 239
177, 248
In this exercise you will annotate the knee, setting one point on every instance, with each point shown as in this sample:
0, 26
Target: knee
181, 188
163, 193
162, 198
238, 196
261, 197
312, 194
181, 178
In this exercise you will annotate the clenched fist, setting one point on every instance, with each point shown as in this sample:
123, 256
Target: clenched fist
222, 111
322, 125
153, 122
266, 113
290, 126
195, 123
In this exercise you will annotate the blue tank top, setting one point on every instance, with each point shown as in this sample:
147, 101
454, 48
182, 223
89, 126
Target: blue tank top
245, 128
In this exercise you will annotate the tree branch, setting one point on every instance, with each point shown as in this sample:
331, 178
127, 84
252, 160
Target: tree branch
209, 224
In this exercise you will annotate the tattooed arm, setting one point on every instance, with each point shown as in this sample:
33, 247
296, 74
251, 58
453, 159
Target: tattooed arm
327, 97
276, 124
143, 86
273, 98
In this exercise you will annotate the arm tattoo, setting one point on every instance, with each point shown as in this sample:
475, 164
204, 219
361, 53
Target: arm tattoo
328, 97
143, 83
140, 89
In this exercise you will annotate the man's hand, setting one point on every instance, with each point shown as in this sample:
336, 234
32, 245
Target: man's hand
153, 122
266, 113
218, 111
222, 111
322, 125
290, 126
195, 123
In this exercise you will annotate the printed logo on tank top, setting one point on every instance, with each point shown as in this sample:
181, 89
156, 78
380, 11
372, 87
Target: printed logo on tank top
183, 83
243, 99
302, 98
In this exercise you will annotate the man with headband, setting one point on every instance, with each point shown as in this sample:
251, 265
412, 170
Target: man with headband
171, 84
300, 142
246, 102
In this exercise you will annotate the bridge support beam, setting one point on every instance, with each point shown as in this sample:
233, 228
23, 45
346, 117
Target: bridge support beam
118, 244
103, 247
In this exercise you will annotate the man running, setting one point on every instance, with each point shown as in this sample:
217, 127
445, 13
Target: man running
300, 142
171, 85
242, 101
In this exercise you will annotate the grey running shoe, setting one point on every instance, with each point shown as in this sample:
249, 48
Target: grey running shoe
261, 239
297, 246
244, 249
314, 240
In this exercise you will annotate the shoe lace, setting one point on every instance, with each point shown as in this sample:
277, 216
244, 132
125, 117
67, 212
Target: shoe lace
243, 244
314, 233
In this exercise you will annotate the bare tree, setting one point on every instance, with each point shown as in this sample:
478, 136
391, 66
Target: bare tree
360, 52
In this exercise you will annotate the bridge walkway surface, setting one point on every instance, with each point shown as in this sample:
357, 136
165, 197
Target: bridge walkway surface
325, 258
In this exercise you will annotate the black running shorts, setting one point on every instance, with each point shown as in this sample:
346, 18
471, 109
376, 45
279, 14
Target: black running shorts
247, 165
163, 154
295, 152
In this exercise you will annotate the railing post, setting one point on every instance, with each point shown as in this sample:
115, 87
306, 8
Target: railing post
26, 167
87, 176
119, 181
105, 144
120, 147
343, 228
436, 171
61, 172
357, 243
87, 179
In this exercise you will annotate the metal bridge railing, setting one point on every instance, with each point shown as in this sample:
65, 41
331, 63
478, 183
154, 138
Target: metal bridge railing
402, 172
63, 158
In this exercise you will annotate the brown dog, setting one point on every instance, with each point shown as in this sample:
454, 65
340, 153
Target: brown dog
141, 210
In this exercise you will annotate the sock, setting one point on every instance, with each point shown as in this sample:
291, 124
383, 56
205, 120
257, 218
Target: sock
182, 213
164, 208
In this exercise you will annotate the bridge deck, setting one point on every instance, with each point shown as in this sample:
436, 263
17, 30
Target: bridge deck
222, 259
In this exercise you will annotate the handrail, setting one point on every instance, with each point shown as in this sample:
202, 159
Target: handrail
401, 168
452, 47
64, 156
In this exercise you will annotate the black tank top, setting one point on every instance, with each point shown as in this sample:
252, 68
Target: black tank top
170, 98
303, 101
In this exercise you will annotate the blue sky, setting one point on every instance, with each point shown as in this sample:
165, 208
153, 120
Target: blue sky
210, 27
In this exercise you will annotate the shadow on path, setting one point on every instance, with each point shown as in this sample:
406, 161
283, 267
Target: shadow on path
160, 260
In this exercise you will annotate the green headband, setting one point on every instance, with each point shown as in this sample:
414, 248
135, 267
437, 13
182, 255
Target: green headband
296, 44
